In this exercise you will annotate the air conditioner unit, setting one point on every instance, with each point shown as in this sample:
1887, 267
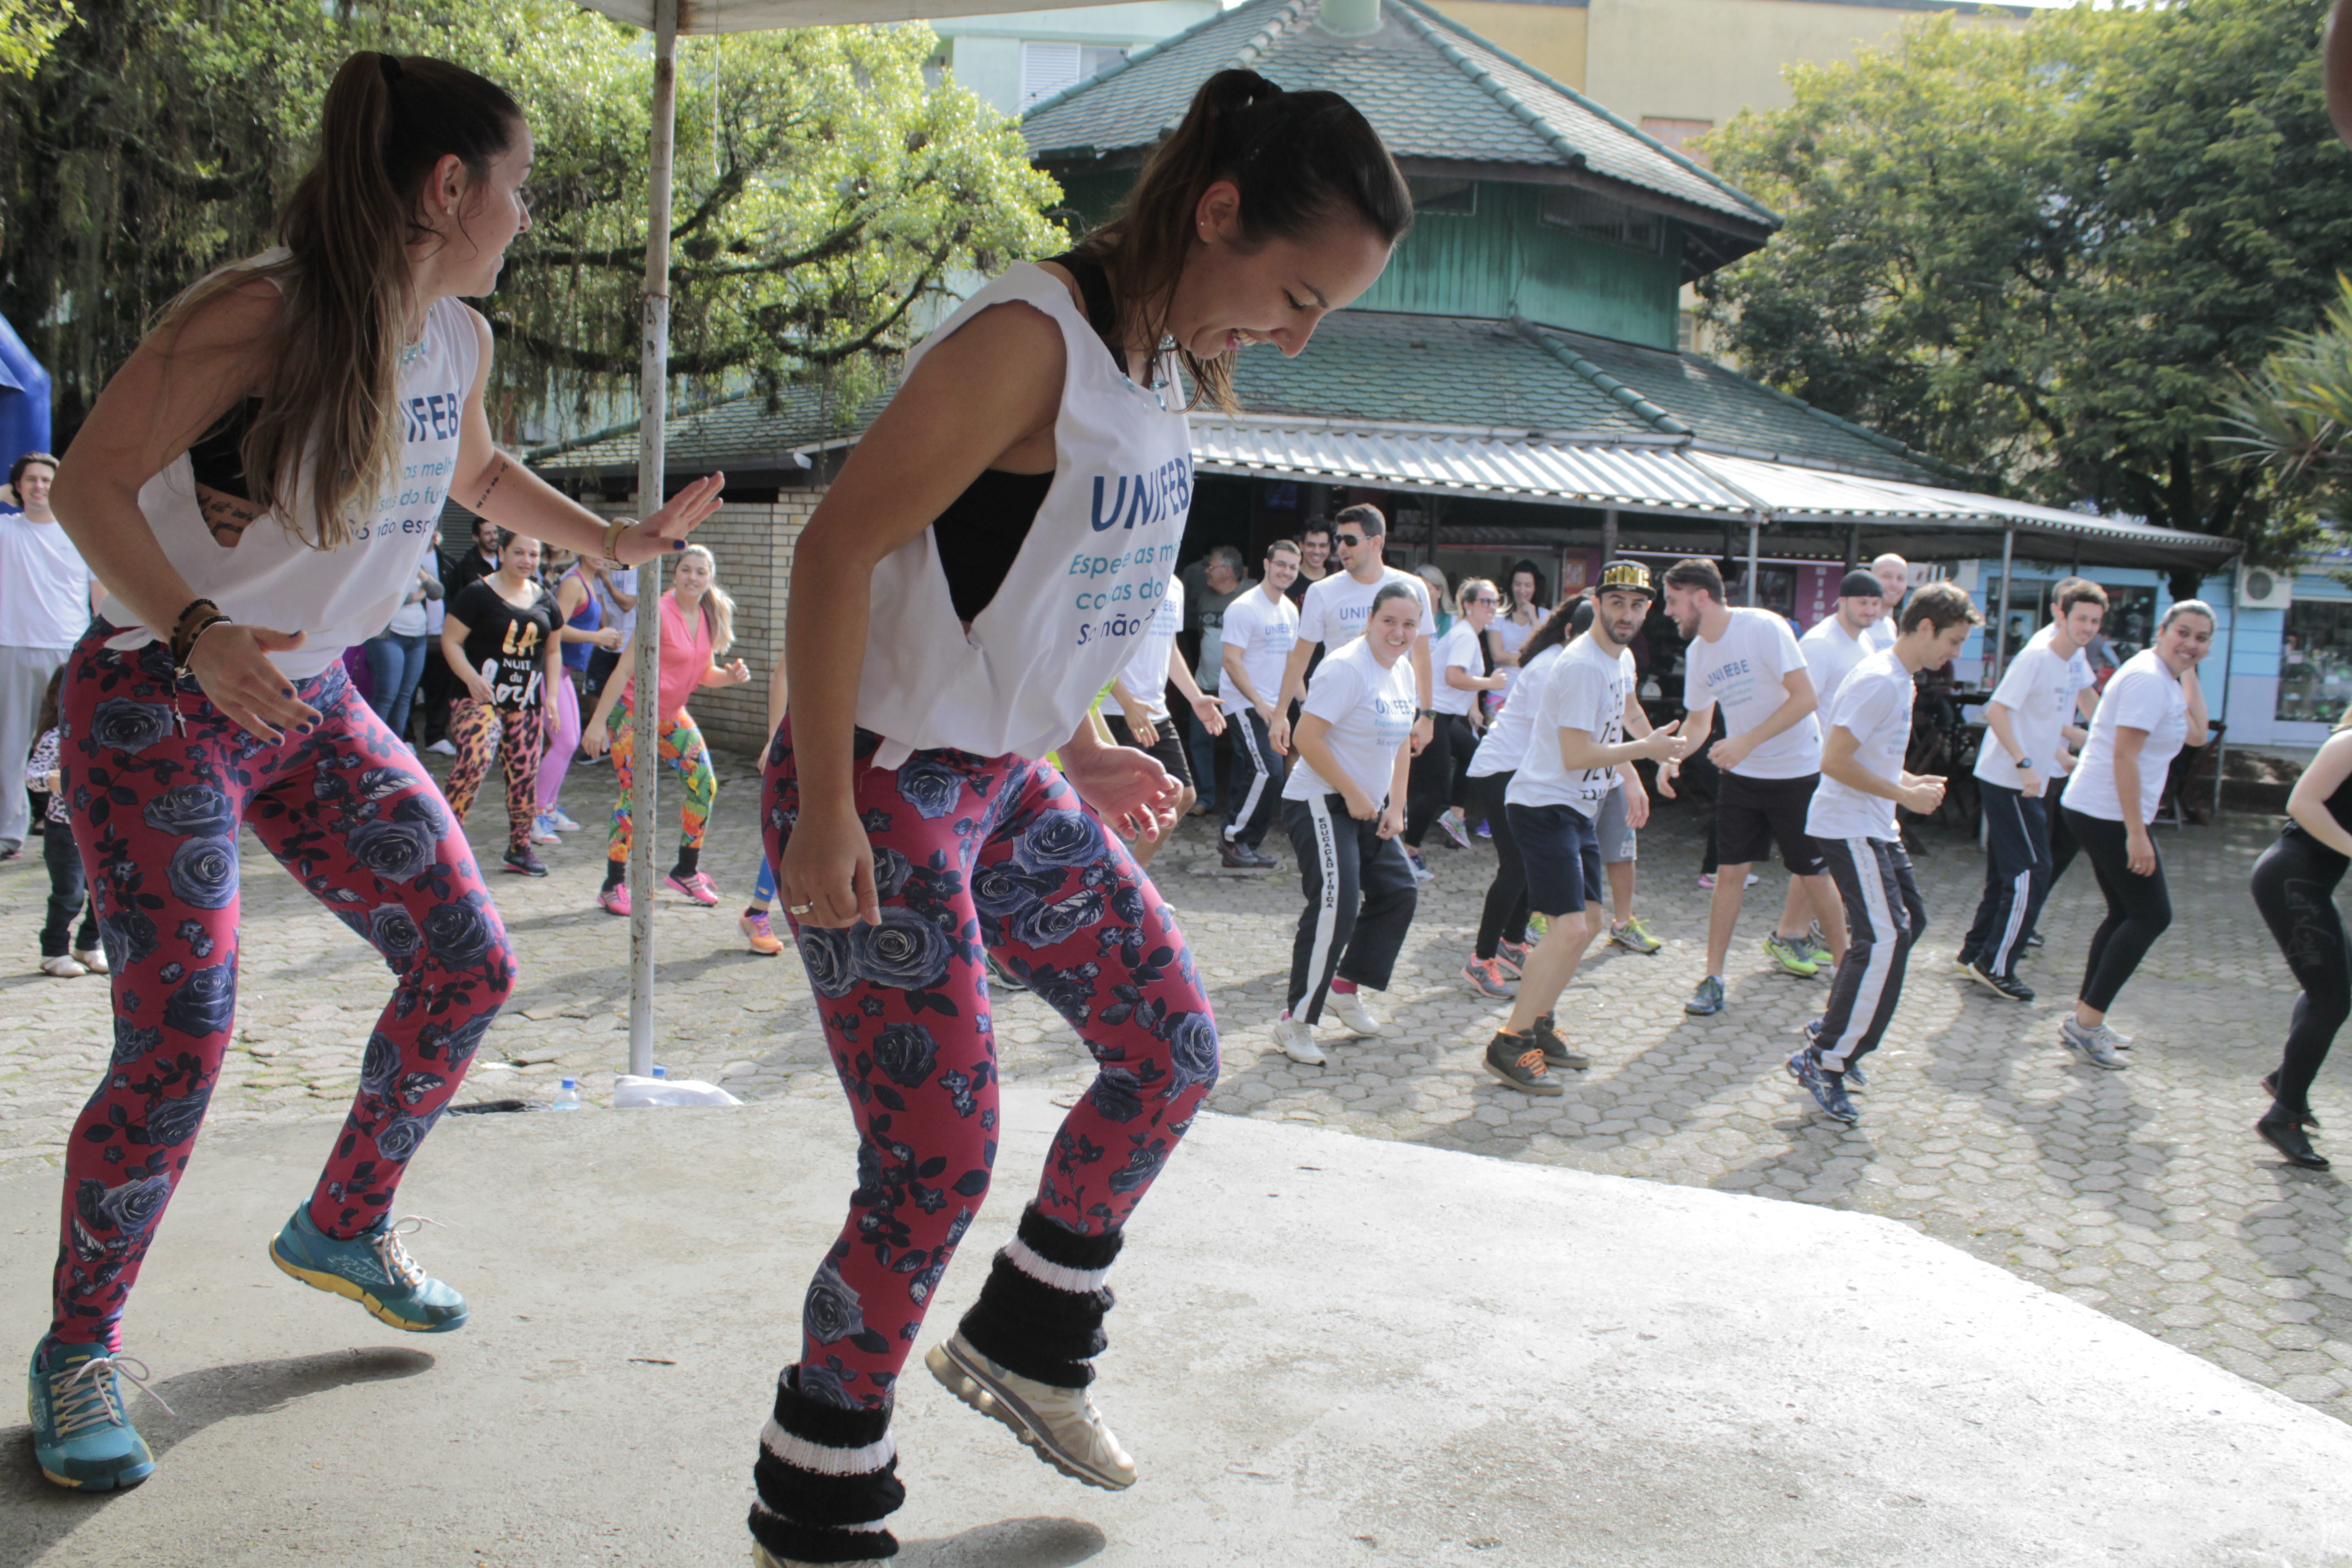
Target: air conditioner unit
2260, 588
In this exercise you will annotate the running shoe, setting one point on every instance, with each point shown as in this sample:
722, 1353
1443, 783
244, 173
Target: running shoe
1817, 947
445, 745
1520, 1065
1512, 956
762, 934
1633, 935
698, 886
94, 960
82, 1436
1965, 965
1061, 1423
522, 862
1241, 858
63, 968
1296, 1038
1537, 924
1485, 829
543, 831
1353, 1010
1827, 1091
1811, 1030
2093, 1045
1707, 879
1451, 820
1001, 978
2001, 985
2034, 939
558, 820
373, 1269
1707, 1000
1791, 956
1487, 978
2270, 1087
615, 900
1556, 1052
1421, 872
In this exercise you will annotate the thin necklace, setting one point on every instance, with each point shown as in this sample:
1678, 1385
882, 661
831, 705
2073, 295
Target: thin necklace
411, 352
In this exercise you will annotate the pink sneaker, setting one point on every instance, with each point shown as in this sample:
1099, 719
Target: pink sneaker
698, 886
615, 901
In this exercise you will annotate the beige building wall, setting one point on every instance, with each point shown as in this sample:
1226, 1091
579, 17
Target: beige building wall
1549, 37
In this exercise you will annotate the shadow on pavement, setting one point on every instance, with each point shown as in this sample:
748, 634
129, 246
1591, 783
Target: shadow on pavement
40, 1515
1008, 1544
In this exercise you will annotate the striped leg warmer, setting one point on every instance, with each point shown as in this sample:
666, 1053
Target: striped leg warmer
1040, 1314
827, 1478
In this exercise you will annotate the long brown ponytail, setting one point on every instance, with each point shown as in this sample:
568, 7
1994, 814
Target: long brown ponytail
387, 123
1299, 159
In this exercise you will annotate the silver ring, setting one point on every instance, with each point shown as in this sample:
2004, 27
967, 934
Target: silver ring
800, 909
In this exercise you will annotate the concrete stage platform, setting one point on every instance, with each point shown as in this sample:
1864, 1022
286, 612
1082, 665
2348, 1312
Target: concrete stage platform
1329, 1351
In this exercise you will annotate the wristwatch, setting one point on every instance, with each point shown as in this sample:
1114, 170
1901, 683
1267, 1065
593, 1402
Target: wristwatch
1426, 713
2024, 765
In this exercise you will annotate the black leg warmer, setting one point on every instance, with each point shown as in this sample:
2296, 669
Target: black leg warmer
827, 1478
1040, 1314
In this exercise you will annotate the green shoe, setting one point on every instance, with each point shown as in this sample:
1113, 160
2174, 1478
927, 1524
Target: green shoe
1793, 956
82, 1437
373, 1269
1635, 936
1707, 1000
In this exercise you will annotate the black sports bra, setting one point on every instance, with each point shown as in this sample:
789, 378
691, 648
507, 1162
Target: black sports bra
982, 529
215, 461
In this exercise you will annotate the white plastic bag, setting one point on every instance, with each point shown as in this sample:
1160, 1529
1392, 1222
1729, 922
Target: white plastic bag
628, 1089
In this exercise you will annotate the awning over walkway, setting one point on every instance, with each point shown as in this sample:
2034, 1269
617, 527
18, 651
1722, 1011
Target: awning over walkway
697, 16
1805, 510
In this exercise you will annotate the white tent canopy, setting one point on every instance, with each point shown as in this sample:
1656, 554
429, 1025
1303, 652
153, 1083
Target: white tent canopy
699, 16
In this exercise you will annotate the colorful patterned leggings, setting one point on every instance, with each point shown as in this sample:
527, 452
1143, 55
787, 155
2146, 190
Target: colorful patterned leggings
522, 738
682, 748
160, 781
975, 856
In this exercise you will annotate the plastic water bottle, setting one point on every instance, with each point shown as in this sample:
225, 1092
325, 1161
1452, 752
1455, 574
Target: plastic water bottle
567, 1098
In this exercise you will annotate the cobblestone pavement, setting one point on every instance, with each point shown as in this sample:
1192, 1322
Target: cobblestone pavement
2144, 1193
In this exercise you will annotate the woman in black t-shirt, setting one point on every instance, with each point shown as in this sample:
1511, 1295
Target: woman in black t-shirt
500, 638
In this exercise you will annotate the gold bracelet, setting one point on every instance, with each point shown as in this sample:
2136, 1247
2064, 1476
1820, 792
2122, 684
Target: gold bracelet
613, 531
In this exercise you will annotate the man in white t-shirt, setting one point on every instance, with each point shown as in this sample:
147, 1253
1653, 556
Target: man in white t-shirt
1852, 819
2023, 755
1140, 690
1894, 574
2085, 681
1260, 628
47, 597
1748, 661
1334, 613
1831, 648
1577, 754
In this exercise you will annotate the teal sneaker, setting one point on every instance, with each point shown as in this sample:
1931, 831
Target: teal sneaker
1707, 1000
1792, 954
82, 1437
373, 1269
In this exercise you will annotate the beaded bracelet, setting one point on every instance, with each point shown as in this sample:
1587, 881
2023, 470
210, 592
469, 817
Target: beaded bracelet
182, 638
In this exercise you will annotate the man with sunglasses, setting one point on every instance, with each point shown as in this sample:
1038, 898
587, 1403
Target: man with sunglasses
1336, 609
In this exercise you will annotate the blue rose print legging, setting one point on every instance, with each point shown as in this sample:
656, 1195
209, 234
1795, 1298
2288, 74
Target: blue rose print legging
973, 855
159, 781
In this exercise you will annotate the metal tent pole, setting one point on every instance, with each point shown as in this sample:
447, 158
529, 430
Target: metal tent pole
2001, 620
2221, 712
653, 382
1755, 533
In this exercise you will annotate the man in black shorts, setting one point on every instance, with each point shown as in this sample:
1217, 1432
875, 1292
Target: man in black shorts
1748, 661
1142, 693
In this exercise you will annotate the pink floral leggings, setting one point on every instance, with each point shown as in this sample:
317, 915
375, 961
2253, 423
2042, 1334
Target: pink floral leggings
976, 855
159, 783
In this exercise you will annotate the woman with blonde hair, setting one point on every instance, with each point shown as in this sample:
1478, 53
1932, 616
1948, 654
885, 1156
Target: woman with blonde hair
239, 488
697, 625
2294, 887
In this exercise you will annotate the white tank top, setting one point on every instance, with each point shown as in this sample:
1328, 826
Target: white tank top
338, 597
1081, 591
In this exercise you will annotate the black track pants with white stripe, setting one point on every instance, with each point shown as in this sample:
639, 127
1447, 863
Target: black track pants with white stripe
1359, 901
2017, 876
1248, 817
1883, 917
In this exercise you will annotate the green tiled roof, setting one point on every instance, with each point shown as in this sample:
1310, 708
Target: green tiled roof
1389, 368
1433, 89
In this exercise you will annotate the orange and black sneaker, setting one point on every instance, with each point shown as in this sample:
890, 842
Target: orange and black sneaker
1519, 1062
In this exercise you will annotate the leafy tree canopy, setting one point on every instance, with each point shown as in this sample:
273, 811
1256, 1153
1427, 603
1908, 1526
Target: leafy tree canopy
2049, 253
822, 190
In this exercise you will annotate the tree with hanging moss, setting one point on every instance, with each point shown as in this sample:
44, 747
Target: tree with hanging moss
824, 192
2050, 252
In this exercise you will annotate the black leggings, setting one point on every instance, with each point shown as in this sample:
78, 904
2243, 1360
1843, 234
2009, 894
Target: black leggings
1438, 775
2294, 887
2138, 908
1505, 916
